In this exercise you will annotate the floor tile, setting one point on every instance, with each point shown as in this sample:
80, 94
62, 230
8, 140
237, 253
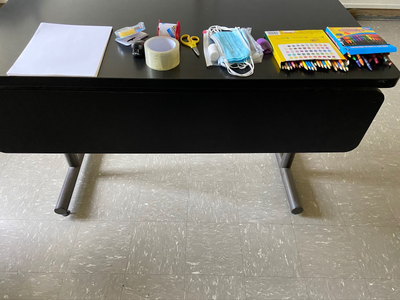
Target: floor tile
323, 288
357, 168
3, 160
170, 167
377, 250
383, 136
213, 248
384, 288
269, 250
257, 168
384, 166
214, 287
212, 202
30, 285
17, 197
364, 205
92, 286
392, 195
119, 166
211, 167
276, 288
11, 232
158, 248
326, 251
141, 287
324, 168
101, 247
39, 166
163, 201
45, 246
106, 199
259, 202
60, 168
319, 204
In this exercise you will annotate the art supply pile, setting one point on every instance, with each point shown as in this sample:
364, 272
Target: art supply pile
338, 48
362, 45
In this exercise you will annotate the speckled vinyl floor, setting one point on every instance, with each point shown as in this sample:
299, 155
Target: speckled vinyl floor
208, 226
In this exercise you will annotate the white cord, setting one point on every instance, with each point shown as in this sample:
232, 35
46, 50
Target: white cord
230, 67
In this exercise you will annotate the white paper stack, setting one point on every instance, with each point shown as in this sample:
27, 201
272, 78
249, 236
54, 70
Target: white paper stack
63, 50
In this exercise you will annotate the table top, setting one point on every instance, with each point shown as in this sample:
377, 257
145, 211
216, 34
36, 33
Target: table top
19, 20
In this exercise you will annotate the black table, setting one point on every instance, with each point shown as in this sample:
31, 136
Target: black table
130, 108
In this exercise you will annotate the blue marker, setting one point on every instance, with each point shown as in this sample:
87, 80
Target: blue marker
366, 62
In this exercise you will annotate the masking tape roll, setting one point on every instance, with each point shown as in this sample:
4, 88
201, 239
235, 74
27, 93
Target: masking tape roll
162, 53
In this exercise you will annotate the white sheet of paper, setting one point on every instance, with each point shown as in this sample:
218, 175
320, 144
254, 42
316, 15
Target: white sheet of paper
63, 50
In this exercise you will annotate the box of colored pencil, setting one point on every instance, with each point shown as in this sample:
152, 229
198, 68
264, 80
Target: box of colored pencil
308, 49
358, 40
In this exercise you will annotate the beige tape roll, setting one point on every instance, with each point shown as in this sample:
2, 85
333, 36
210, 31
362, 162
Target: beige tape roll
162, 53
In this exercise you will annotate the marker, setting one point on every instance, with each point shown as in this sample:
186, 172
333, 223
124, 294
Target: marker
367, 63
360, 60
387, 59
357, 62
375, 59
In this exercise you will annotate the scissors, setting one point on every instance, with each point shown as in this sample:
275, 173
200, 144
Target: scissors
191, 41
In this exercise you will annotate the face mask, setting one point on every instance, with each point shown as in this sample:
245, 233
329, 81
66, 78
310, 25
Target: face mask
233, 49
233, 46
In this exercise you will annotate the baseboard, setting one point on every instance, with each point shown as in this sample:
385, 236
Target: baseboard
375, 14
371, 5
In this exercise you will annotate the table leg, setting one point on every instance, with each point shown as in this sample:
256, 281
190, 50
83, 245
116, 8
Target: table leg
285, 162
74, 162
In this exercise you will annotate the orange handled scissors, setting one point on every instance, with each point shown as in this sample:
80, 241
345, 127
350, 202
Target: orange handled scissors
191, 41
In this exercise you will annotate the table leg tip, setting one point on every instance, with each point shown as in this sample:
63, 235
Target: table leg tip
297, 210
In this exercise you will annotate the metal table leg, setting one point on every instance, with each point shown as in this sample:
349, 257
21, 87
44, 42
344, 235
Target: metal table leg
285, 162
74, 162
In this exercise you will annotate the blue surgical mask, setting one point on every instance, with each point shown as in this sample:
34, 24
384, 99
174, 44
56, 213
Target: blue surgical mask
232, 46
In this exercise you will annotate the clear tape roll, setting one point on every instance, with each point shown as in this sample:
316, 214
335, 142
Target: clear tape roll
162, 53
